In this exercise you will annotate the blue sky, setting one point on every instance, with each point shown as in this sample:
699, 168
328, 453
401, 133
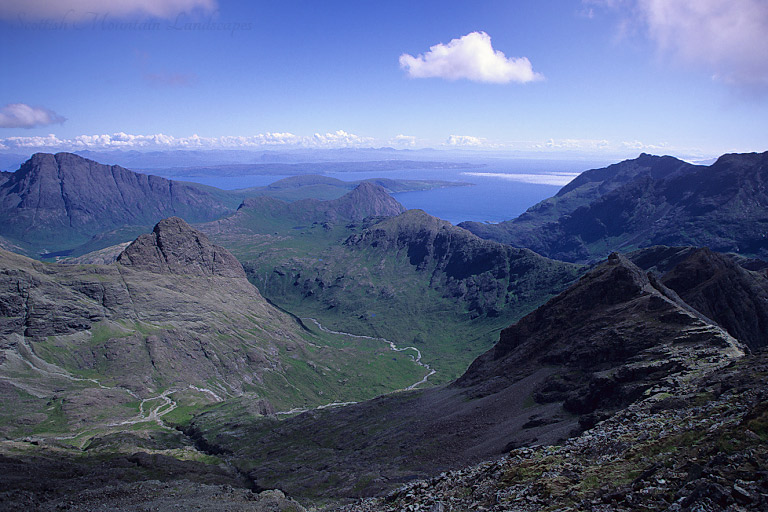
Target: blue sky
596, 77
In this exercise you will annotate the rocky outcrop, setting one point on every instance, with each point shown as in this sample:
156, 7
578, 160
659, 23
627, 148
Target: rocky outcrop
648, 201
614, 334
730, 290
613, 338
174, 247
485, 275
696, 446
722, 290
59, 201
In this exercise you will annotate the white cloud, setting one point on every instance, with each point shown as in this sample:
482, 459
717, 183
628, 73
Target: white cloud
728, 38
465, 140
32, 142
21, 115
470, 57
88, 10
403, 140
574, 144
641, 146
339, 138
122, 140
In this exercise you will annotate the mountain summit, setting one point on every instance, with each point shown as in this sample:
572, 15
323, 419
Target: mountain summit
174, 247
366, 200
648, 201
63, 200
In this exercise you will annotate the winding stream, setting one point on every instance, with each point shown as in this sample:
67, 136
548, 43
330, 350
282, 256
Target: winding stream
392, 346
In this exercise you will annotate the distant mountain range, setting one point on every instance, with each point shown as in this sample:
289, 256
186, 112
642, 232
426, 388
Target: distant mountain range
647, 201
64, 204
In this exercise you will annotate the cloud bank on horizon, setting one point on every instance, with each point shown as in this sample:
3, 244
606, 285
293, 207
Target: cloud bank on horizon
330, 140
84, 10
120, 140
469, 57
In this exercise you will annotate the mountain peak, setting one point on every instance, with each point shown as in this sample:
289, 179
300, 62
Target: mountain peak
367, 199
174, 247
61, 201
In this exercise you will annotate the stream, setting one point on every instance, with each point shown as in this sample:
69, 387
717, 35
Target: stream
392, 346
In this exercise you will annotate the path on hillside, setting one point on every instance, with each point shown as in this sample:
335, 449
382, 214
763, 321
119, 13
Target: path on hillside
148, 411
392, 346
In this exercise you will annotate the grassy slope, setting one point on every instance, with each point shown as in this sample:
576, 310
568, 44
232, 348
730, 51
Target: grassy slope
306, 268
83, 380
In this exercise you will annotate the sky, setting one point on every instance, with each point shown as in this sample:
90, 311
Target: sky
583, 77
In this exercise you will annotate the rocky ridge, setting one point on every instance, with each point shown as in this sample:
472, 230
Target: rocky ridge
487, 276
699, 445
613, 335
174, 247
614, 338
56, 202
644, 202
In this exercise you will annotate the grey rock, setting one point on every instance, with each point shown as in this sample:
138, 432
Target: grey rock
174, 247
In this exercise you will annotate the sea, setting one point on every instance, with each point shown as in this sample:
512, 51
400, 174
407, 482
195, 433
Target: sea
500, 189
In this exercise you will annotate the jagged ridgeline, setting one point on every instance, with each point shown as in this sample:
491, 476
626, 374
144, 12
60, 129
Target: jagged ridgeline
67, 205
173, 326
362, 264
648, 201
58, 202
618, 336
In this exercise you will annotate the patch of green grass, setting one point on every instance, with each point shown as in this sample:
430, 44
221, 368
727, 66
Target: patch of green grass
102, 332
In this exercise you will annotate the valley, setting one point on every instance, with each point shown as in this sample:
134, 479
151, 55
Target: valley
316, 337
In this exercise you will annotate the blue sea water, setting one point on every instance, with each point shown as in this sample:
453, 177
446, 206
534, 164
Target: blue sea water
500, 190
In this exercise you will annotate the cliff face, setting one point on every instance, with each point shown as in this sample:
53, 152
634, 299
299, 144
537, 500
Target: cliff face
484, 275
614, 334
60, 200
614, 338
722, 290
174, 247
648, 201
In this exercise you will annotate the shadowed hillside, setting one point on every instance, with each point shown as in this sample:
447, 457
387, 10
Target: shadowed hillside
648, 201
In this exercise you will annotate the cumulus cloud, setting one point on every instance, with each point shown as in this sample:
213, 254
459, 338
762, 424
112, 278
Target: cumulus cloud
121, 140
86, 10
469, 57
577, 144
21, 115
339, 138
728, 38
465, 140
403, 140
